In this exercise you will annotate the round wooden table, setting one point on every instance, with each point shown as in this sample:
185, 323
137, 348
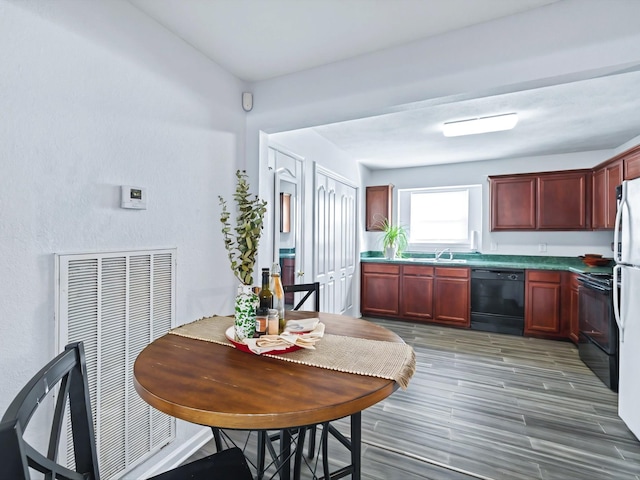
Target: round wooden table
216, 385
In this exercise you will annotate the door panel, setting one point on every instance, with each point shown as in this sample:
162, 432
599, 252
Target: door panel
336, 258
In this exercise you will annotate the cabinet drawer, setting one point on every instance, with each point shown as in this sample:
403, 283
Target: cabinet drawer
543, 276
456, 272
417, 270
391, 269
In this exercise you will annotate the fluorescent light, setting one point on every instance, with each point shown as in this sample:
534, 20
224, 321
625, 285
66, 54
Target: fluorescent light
472, 126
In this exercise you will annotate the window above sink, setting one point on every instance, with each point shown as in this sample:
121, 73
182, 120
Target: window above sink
442, 217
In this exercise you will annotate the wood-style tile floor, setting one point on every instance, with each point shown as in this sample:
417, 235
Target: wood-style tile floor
491, 406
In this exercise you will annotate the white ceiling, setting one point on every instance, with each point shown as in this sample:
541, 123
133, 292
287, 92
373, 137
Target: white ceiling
260, 39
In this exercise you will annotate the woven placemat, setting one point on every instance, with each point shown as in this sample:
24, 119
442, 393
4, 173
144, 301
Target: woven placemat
390, 360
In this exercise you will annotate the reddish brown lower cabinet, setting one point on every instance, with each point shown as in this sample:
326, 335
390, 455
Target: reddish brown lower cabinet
542, 303
380, 289
572, 286
452, 296
417, 293
288, 273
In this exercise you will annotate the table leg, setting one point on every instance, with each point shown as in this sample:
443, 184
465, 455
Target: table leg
356, 444
285, 454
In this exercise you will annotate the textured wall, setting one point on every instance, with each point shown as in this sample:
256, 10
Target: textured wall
94, 95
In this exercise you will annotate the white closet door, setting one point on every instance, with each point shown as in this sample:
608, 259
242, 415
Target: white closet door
335, 242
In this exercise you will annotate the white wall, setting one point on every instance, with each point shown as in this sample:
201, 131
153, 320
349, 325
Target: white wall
476, 173
95, 95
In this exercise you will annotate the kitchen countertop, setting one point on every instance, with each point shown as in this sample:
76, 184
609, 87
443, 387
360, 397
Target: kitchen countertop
572, 264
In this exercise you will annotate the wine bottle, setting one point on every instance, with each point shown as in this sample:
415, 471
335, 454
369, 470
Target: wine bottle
265, 296
278, 294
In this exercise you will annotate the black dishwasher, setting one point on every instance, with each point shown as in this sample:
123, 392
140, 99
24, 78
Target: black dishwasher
497, 300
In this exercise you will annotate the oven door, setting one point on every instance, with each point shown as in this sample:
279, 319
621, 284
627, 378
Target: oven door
595, 314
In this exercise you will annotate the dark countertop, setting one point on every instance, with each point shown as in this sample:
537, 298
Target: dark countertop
572, 264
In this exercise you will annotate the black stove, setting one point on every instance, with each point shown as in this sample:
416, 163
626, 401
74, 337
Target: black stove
598, 344
596, 279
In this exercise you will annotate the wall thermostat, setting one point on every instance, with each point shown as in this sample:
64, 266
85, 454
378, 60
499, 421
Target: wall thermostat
247, 101
133, 197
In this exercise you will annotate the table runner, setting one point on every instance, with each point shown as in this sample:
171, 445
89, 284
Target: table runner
391, 360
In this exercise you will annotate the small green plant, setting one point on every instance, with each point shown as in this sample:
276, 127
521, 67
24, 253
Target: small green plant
243, 247
395, 236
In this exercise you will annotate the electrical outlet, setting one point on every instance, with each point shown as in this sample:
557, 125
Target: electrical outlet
542, 247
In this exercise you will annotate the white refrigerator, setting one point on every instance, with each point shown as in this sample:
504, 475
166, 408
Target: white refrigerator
627, 302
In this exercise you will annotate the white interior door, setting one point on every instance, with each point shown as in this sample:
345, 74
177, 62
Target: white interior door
289, 243
335, 241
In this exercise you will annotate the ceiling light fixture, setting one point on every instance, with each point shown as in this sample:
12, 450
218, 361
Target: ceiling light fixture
472, 126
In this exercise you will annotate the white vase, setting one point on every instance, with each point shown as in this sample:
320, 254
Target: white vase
245, 312
390, 253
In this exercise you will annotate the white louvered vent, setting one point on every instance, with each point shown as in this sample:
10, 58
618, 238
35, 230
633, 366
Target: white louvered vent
117, 303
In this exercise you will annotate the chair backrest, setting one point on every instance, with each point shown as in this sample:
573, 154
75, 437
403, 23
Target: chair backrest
309, 288
65, 374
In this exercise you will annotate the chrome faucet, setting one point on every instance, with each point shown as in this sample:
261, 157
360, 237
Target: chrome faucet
442, 252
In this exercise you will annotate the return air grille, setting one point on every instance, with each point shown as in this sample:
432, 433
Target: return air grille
117, 303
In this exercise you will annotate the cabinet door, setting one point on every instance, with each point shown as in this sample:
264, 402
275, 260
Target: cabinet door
513, 202
417, 293
542, 304
599, 196
451, 296
614, 178
562, 201
632, 164
378, 206
288, 273
380, 289
574, 327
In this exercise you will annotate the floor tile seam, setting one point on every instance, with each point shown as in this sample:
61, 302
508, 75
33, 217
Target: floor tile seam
619, 463
541, 458
426, 460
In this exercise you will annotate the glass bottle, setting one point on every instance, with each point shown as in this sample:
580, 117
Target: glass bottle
265, 296
278, 294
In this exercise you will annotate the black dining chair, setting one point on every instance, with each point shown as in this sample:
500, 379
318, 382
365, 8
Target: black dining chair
66, 374
310, 289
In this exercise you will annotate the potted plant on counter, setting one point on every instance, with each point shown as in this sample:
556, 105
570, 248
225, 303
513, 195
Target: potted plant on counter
394, 239
241, 243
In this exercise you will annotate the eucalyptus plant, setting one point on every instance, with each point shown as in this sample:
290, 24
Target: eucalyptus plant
242, 246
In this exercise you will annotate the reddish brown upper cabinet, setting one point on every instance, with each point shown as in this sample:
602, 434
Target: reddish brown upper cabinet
564, 201
542, 304
513, 202
632, 163
606, 177
378, 206
541, 201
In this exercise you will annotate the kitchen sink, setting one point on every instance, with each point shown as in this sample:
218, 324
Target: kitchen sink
433, 260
